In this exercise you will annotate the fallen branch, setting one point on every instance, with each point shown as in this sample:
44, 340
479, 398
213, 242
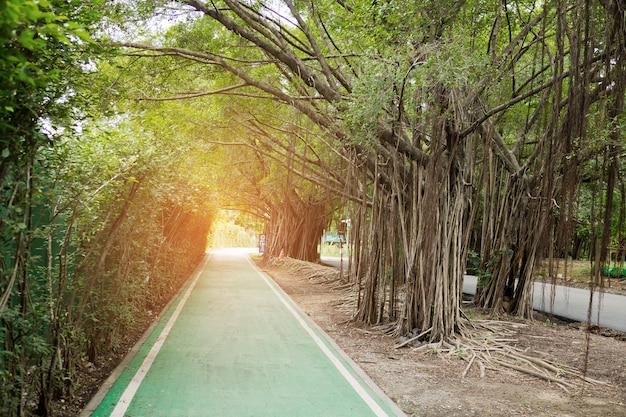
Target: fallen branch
469, 365
533, 373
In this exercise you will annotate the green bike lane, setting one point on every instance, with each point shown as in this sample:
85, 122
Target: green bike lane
234, 344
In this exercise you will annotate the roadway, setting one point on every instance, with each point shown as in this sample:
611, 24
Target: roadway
609, 310
234, 344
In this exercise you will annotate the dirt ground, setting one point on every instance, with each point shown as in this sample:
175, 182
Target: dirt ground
427, 383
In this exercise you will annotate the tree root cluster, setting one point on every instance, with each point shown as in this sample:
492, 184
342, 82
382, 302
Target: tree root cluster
483, 344
489, 345
321, 275
318, 274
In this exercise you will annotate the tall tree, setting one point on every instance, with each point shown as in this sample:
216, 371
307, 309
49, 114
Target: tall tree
425, 91
42, 47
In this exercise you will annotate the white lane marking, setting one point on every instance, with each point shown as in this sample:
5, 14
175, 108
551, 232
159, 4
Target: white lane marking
378, 411
133, 386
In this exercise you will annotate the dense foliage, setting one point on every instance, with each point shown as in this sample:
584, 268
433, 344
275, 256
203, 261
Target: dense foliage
100, 224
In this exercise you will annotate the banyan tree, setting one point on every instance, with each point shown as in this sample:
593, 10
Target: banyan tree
446, 124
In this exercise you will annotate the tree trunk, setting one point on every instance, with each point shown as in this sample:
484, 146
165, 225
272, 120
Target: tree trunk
434, 295
414, 248
296, 227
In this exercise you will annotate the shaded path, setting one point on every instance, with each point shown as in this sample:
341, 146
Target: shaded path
238, 346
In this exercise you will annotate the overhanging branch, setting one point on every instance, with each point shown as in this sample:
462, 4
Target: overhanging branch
184, 96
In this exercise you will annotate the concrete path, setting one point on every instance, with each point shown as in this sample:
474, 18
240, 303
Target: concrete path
234, 344
573, 303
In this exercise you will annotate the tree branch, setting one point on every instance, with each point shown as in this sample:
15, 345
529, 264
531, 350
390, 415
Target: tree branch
184, 96
268, 42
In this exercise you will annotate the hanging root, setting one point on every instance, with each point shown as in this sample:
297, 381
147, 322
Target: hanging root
488, 345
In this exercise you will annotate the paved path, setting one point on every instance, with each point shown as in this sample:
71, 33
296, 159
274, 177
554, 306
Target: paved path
234, 344
573, 303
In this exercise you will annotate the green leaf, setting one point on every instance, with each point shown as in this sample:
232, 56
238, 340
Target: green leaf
6, 153
54, 30
82, 34
44, 3
28, 40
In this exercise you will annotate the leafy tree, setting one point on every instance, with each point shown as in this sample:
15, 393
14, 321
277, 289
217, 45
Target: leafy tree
42, 48
99, 224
